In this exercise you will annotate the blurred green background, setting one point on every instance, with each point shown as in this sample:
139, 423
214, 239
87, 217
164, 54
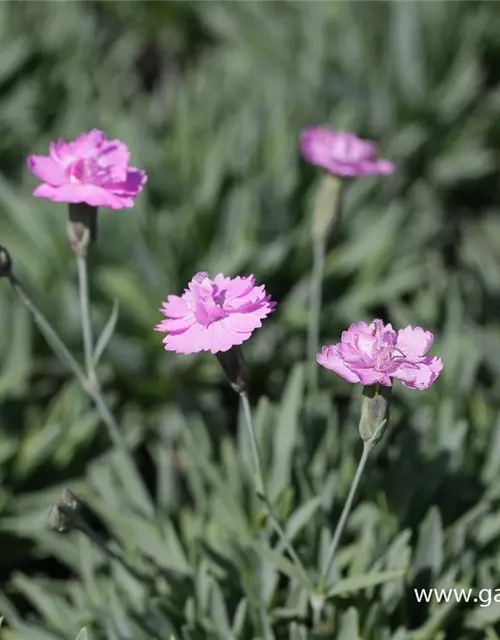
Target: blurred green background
210, 97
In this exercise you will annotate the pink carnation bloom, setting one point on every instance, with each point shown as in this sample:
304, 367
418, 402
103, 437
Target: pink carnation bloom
91, 169
214, 315
376, 353
342, 154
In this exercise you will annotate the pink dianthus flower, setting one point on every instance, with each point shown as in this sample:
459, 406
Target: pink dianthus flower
214, 315
342, 153
376, 353
91, 169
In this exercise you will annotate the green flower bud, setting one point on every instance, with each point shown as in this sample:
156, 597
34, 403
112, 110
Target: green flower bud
374, 413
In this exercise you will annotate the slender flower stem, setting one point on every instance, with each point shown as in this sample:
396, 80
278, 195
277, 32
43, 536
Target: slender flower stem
69, 361
258, 475
326, 213
88, 343
344, 515
111, 553
261, 490
319, 248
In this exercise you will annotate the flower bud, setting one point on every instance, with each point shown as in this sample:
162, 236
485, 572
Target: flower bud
374, 413
235, 368
64, 516
5, 262
82, 226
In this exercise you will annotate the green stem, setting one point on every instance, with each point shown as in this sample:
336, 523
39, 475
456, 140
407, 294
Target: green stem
83, 527
69, 361
319, 248
343, 518
326, 214
261, 490
88, 343
258, 475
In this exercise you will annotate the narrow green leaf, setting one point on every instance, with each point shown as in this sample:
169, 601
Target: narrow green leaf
430, 552
286, 431
281, 563
107, 333
349, 625
356, 583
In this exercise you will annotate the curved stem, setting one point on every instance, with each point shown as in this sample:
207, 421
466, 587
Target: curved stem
343, 518
261, 490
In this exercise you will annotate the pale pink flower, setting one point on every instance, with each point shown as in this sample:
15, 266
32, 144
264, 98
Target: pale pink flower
376, 353
342, 153
214, 315
91, 169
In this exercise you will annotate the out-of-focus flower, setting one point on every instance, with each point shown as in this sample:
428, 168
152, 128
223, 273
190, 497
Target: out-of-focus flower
91, 169
376, 353
342, 153
214, 315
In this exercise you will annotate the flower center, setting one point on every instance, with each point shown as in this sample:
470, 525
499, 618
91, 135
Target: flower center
210, 300
86, 170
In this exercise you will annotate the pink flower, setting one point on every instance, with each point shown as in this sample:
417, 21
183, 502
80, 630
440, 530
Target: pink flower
214, 315
342, 153
376, 353
91, 169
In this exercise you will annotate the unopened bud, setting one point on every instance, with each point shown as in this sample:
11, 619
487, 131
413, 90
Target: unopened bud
374, 413
235, 368
5, 262
64, 516
69, 498
82, 226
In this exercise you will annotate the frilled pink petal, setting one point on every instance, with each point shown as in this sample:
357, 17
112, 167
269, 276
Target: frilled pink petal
343, 170
315, 144
330, 359
243, 322
353, 356
371, 376
114, 153
349, 149
420, 374
376, 167
91, 194
175, 325
223, 336
214, 338
86, 143
191, 341
239, 286
175, 307
132, 184
223, 282
365, 344
414, 342
351, 333
47, 170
